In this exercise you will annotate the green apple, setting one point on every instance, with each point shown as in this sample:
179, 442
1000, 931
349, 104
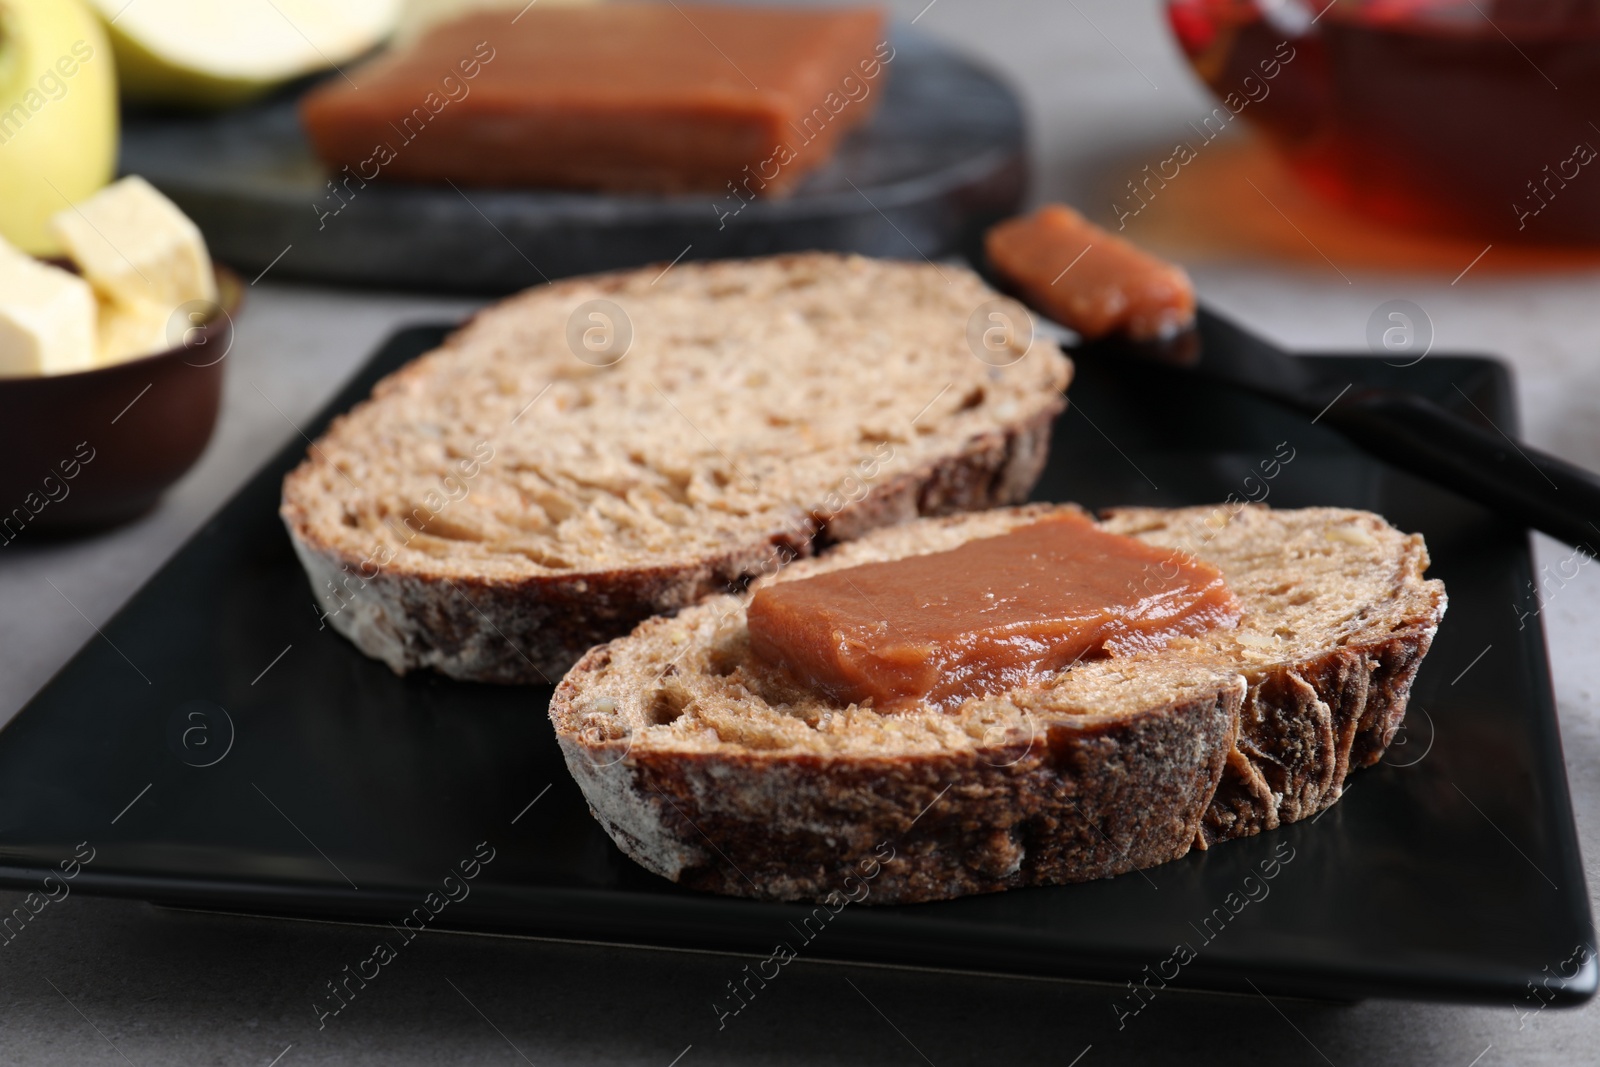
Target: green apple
219, 53
58, 115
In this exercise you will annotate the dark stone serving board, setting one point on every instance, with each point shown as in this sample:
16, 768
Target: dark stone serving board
943, 157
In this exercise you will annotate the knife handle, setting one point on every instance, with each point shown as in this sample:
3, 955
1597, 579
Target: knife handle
1516, 481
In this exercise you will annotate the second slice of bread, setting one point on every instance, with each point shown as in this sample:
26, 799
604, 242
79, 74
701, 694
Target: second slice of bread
506, 502
712, 770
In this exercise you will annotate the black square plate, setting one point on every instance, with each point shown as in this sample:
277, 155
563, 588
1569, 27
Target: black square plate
218, 748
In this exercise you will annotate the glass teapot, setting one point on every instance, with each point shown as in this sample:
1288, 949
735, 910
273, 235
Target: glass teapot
1470, 117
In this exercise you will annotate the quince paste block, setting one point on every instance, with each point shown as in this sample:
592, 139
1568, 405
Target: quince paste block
625, 96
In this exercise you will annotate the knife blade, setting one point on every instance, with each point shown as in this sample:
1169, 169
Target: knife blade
1513, 479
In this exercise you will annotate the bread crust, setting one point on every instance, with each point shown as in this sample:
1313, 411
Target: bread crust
1305, 726
1272, 751
1264, 748
1070, 803
532, 629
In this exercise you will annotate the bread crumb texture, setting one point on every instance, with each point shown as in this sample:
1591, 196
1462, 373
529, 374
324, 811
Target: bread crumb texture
750, 391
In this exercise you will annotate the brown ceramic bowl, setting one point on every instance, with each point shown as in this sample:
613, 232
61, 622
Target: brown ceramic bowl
87, 450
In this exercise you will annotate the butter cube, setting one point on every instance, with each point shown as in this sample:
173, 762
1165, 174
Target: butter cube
136, 247
128, 331
47, 318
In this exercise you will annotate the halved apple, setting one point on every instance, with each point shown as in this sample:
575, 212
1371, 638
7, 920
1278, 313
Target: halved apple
219, 53
58, 115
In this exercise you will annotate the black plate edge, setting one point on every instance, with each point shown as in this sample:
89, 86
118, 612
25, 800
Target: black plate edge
651, 921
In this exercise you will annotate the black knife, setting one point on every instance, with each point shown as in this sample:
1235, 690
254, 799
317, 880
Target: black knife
1515, 480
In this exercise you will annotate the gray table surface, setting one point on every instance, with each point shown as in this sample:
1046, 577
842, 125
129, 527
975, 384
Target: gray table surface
100, 981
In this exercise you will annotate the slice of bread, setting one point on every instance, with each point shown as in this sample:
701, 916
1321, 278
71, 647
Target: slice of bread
542, 483
712, 771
